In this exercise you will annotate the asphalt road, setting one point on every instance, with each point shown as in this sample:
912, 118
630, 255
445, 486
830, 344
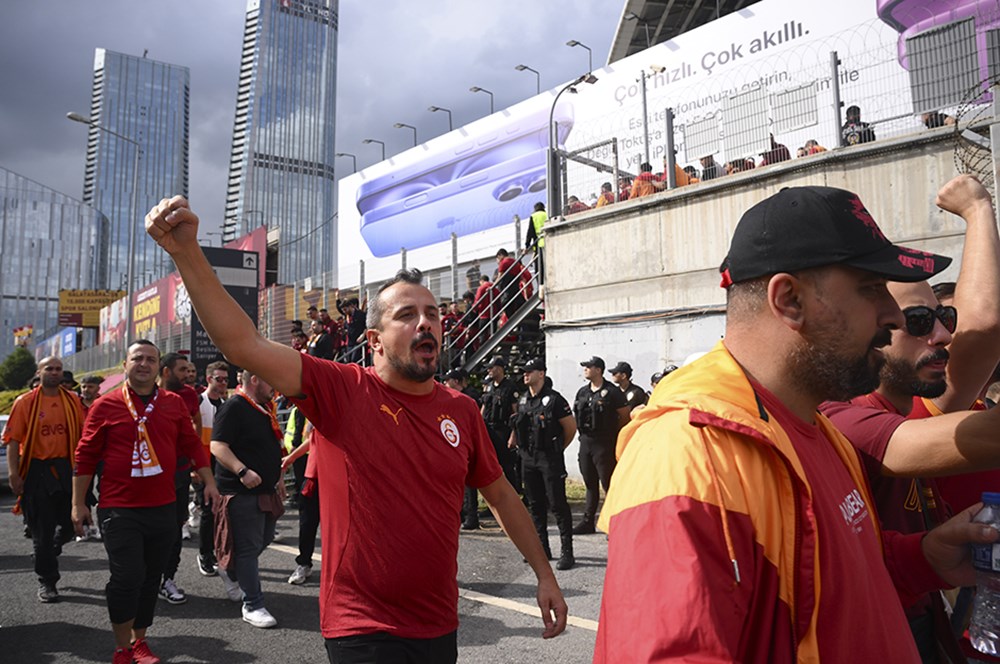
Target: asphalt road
499, 618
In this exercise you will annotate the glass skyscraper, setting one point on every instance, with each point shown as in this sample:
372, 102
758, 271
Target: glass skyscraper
48, 242
146, 101
281, 166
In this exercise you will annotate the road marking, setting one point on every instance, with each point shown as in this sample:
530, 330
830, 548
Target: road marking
499, 602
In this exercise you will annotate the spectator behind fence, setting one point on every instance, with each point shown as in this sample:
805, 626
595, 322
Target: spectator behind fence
777, 154
679, 174
710, 169
936, 119
645, 183
607, 196
813, 146
624, 188
801, 152
854, 131
692, 174
574, 205
739, 165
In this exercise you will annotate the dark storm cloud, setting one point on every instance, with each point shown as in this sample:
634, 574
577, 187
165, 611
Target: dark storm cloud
396, 58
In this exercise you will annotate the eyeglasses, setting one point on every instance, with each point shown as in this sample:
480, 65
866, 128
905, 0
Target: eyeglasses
920, 319
219, 379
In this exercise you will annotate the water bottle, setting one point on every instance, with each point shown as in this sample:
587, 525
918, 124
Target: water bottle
984, 630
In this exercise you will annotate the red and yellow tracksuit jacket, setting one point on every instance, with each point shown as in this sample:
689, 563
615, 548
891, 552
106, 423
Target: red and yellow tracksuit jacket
713, 551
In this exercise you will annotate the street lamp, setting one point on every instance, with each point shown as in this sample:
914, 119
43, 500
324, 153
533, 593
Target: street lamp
476, 88
400, 125
354, 160
538, 77
551, 167
590, 54
434, 109
656, 69
368, 141
219, 233
133, 208
632, 16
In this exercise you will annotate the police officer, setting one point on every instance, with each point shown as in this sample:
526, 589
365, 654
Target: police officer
458, 380
621, 374
499, 401
600, 412
543, 428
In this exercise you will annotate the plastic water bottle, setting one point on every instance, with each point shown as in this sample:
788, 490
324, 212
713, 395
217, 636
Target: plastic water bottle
984, 630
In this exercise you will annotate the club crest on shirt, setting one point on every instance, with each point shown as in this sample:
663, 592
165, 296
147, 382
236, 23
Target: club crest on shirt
449, 430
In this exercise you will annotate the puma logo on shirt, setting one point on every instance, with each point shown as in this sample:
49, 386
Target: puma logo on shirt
395, 416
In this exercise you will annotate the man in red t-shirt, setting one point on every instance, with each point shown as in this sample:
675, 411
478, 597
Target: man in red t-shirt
391, 587
139, 432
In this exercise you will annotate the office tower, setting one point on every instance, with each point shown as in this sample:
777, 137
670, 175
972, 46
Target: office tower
48, 242
281, 167
145, 101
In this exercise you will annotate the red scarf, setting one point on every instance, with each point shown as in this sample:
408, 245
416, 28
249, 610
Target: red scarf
270, 410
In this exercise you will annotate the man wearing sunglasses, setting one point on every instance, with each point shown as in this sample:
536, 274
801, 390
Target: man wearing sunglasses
937, 363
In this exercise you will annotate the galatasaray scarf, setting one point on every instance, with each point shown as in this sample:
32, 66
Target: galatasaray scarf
144, 461
74, 425
270, 410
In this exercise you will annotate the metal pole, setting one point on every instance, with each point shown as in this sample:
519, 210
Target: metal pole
295, 300
616, 176
402, 256
995, 133
835, 88
361, 279
133, 209
645, 117
517, 234
671, 157
454, 267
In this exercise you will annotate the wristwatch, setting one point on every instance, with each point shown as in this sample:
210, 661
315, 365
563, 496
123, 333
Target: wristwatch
243, 471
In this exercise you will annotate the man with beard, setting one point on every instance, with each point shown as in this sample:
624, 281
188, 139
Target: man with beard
936, 363
739, 518
389, 579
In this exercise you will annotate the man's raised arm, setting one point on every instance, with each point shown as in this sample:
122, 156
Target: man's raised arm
174, 227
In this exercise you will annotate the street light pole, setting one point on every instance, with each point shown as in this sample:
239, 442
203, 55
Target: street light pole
354, 160
400, 125
554, 204
476, 88
133, 205
590, 53
632, 16
368, 141
538, 77
433, 109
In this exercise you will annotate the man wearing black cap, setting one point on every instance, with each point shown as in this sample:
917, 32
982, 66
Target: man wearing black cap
740, 522
543, 428
499, 401
635, 396
600, 413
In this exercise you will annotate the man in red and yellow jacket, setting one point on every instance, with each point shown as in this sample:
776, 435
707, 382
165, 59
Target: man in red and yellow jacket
740, 524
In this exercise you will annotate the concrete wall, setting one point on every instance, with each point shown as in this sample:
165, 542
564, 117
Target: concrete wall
639, 281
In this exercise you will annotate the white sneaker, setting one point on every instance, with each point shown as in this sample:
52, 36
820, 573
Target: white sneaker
170, 592
300, 575
259, 617
94, 533
185, 531
233, 590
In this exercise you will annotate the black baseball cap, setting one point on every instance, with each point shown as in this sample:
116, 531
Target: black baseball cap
497, 362
97, 380
622, 367
456, 374
67, 377
805, 227
593, 362
534, 364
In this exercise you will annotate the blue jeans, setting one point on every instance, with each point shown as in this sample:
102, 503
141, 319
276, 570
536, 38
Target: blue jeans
252, 531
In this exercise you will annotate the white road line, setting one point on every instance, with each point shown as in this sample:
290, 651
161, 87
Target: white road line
499, 602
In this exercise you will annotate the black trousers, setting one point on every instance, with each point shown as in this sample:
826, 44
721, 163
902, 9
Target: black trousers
308, 525
597, 462
382, 648
182, 490
206, 531
506, 456
138, 542
47, 505
544, 475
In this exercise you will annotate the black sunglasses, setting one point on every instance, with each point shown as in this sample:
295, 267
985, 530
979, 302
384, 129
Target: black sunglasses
920, 319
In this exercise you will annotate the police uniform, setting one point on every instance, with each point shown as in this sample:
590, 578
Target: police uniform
597, 421
635, 396
543, 468
498, 402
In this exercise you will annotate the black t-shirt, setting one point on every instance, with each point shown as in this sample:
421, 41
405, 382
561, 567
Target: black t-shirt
249, 435
634, 396
596, 411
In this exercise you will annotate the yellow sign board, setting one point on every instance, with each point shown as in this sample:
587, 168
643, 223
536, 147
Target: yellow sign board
82, 308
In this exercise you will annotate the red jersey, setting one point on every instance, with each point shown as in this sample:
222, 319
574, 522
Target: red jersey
848, 545
390, 563
109, 435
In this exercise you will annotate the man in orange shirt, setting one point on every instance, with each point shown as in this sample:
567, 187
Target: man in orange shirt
41, 436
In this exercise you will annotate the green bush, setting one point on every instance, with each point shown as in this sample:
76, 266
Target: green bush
17, 369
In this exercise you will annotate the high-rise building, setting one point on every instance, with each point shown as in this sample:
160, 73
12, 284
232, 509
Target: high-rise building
48, 242
147, 102
281, 167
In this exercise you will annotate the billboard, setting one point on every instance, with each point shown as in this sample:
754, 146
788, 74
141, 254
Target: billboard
82, 308
61, 344
472, 181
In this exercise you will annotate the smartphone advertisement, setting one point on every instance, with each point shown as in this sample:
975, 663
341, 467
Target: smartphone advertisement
474, 180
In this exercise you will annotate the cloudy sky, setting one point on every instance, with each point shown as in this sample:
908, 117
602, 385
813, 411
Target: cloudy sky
396, 58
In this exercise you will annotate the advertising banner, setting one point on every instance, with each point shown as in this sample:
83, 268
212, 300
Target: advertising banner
82, 308
61, 344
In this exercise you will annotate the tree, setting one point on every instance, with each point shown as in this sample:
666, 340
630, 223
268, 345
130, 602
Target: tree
17, 369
